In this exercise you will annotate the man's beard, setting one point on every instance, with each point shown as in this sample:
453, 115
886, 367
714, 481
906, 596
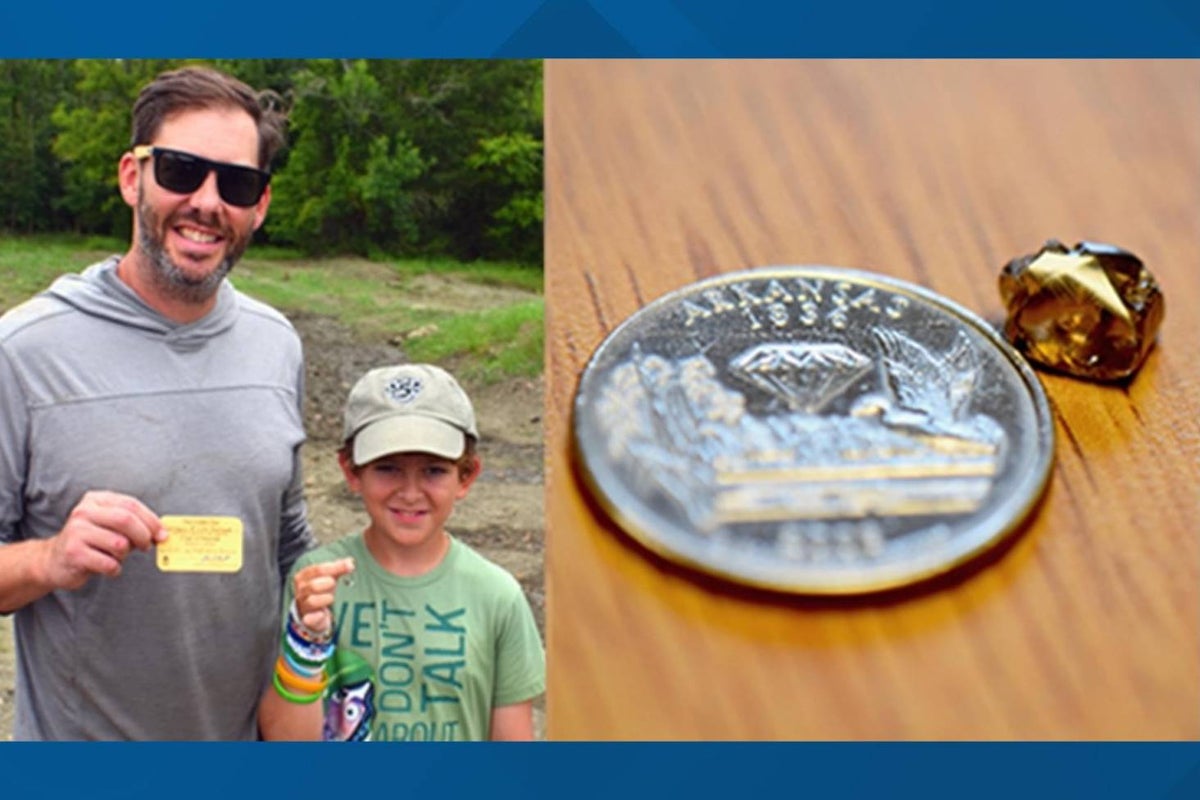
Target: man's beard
166, 275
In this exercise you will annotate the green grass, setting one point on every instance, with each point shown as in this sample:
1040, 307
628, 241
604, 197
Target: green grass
374, 298
29, 264
486, 273
494, 343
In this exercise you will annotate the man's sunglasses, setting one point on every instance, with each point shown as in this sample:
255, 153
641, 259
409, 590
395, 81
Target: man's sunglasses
182, 173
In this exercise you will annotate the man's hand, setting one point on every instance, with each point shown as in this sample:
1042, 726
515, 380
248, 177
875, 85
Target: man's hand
314, 589
102, 529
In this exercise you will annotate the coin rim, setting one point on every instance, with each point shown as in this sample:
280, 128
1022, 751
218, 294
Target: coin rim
861, 581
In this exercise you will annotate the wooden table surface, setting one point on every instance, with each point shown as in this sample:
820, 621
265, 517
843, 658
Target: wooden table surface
1088, 625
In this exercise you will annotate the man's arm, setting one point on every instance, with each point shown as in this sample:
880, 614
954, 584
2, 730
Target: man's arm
295, 534
99, 533
23, 576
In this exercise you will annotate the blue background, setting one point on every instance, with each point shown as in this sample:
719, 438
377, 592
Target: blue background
550, 28
583, 28
611, 771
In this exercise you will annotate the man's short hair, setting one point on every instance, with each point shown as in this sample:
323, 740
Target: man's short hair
194, 88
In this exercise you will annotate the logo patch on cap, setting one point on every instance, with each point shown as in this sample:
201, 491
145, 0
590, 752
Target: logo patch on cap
404, 390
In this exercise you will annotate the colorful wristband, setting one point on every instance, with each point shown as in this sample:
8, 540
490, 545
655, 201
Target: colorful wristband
300, 683
293, 698
303, 670
296, 624
307, 653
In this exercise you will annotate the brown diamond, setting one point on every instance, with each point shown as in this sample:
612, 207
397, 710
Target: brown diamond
1091, 311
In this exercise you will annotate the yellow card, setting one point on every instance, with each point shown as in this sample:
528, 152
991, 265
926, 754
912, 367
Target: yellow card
201, 544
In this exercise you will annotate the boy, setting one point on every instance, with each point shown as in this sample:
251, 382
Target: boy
405, 632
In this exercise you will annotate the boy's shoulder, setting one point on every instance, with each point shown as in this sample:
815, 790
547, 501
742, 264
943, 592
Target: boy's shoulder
471, 563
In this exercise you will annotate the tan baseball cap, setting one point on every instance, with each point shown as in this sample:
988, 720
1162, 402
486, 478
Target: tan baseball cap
411, 408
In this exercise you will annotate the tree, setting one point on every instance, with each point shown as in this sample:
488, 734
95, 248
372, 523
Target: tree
448, 109
94, 126
344, 188
509, 169
405, 157
30, 175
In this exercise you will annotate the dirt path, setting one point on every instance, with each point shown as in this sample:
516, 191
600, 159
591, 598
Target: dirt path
502, 517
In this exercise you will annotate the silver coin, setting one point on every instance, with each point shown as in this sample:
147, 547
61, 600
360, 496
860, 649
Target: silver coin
812, 430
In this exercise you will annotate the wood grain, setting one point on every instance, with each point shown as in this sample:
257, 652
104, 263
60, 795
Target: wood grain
1088, 625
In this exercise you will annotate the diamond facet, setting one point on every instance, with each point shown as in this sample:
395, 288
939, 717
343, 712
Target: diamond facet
805, 376
1091, 311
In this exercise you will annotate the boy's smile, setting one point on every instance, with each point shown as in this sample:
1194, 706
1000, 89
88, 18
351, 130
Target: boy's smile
408, 516
409, 497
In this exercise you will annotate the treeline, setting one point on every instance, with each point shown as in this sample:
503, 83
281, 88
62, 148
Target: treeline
402, 157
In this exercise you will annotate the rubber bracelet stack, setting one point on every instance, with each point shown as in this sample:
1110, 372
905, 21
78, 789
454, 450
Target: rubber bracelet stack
300, 675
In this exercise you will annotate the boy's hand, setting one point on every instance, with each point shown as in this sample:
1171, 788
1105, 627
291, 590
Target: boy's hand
314, 589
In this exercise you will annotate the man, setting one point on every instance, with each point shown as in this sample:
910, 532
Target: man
144, 387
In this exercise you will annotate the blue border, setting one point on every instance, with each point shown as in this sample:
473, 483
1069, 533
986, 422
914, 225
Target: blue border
601, 28
564, 770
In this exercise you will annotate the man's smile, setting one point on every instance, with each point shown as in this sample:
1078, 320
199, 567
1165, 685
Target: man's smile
197, 235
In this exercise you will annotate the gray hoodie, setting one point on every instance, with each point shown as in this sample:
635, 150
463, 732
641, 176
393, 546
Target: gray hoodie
99, 391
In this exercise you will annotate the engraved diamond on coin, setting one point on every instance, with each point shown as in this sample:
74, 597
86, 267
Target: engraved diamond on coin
804, 376
1092, 311
812, 430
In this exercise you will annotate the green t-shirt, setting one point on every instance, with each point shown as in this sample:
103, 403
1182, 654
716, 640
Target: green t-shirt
426, 658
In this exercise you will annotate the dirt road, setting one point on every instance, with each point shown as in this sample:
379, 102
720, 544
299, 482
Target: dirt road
502, 517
